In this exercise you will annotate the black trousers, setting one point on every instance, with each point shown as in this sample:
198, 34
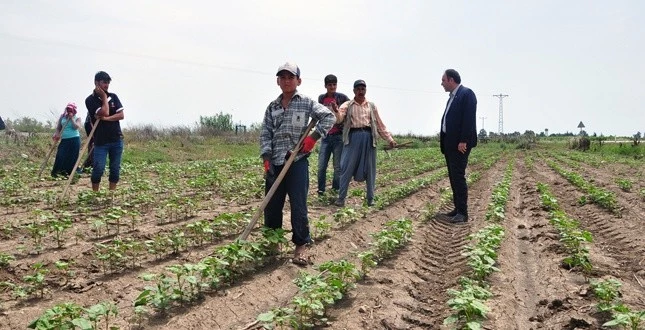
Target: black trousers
457, 163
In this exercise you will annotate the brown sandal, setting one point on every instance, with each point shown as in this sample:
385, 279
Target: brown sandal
301, 259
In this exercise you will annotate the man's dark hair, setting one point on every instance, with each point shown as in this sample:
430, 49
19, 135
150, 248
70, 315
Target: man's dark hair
331, 79
452, 73
102, 76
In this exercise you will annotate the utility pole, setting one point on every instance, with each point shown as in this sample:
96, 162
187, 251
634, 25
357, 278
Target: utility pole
482, 118
501, 111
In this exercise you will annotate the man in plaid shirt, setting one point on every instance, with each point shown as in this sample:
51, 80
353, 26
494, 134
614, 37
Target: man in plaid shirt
285, 120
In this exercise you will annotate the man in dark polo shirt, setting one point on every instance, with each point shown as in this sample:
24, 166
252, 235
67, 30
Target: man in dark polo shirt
108, 138
332, 144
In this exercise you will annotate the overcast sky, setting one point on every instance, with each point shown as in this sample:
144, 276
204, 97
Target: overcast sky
560, 62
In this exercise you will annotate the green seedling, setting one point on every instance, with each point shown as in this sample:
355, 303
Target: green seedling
36, 280
200, 231
5, 259
187, 286
159, 246
102, 311
59, 226
177, 240
624, 184
63, 268
340, 274
61, 316
368, 261
622, 316
37, 231
279, 318
273, 240
160, 296
608, 292
321, 228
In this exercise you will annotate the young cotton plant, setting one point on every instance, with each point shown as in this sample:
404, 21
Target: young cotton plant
468, 305
573, 238
59, 227
608, 292
624, 184
321, 228
482, 255
497, 206
5, 259
626, 318
36, 280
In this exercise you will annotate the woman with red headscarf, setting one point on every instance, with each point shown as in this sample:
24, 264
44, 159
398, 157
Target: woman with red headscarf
70, 141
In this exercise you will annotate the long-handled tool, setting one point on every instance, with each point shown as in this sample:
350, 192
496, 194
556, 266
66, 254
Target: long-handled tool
51, 150
276, 183
80, 155
400, 145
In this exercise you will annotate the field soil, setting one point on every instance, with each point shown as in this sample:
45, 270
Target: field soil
532, 290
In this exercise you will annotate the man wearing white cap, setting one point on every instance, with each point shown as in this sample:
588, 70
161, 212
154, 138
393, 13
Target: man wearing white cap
285, 121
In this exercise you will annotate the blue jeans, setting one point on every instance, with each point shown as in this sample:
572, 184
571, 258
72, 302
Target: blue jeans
295, 184
330, 145
114, 150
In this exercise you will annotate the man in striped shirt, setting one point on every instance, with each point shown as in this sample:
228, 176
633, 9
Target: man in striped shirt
285, 121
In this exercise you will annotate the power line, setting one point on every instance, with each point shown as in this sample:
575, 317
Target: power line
501, 111
180, 61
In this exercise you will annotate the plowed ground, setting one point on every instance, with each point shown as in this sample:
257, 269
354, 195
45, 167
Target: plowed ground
407, 291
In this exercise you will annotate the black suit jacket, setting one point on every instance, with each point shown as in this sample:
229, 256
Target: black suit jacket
461, 121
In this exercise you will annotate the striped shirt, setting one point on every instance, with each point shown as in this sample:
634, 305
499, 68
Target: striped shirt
361, 117
282, 128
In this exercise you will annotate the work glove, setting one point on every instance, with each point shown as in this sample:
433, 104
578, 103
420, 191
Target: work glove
268, 169
267, 165
308, 144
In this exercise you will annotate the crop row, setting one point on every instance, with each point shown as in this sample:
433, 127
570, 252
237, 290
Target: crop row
573, 238
604, 198
468, 303
625, 184
123, 253
608, 293
317, 292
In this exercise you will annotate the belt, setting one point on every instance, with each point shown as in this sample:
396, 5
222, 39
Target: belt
356, 129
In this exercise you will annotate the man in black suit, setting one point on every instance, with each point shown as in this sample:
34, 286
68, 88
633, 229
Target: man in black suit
458, 136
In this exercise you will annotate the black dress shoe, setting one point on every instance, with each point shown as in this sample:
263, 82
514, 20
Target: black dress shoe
459, 218
450, 214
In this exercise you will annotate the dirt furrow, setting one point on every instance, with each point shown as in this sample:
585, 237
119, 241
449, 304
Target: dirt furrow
618, 246
531, 290
275, 288
409, 291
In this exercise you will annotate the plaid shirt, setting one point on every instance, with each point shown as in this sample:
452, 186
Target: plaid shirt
282, 128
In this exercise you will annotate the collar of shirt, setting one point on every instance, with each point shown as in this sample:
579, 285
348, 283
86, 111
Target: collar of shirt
454, 91
364, 102
279, 99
